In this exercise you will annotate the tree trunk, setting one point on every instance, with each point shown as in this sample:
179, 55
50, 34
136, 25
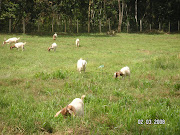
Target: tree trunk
38, 26
150, 27
128, 27
23, 22
65, 26
77, 26
120, 14
59, 23
141, 25
70, 25
178, 25
159, 26
53, 24
62, 24
109, 25
169, 27
136, 14
10, 25
100, 19
100, 25
89, 14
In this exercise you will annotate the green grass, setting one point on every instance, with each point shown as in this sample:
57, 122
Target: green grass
35, 84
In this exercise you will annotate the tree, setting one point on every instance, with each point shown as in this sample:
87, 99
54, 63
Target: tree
121, 10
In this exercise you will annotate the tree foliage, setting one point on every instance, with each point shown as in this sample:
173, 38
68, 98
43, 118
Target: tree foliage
66, 13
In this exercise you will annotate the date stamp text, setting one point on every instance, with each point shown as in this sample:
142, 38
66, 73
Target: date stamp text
149, 121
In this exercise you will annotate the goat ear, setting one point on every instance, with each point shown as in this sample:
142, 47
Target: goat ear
116, 74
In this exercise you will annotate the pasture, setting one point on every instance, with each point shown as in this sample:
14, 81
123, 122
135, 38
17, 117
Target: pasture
35, 84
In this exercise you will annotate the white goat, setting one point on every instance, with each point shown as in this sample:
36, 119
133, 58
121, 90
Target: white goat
53, 46
11, 40
18, 45
54, 36
75, 108
125, 71
77, 42
81, 65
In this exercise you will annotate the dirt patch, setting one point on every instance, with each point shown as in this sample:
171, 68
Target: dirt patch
177, 93
164, 93
145, 51
14, 81
150, 77
78, 131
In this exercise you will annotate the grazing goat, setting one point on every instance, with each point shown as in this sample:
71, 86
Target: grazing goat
11, 40
53, 46
75, 108
54, 36
81, 65
77, 42
18, 45
125, 71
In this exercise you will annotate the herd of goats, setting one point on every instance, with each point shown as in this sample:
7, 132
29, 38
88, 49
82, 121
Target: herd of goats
76, 107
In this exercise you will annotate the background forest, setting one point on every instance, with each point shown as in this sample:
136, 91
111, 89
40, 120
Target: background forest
75, 16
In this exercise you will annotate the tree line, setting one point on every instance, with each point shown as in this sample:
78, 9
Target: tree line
76, 16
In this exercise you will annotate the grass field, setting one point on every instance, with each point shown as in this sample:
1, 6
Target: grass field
35, 84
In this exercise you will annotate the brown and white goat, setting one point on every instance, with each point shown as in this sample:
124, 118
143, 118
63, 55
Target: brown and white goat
125, 71
18, 45
75, 108
53, 46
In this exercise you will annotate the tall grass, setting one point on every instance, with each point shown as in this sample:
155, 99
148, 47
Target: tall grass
35, 84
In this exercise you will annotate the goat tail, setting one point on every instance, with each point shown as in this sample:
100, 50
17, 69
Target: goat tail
83, 96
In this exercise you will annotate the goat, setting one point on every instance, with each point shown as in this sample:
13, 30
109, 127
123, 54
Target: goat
11, 40
18, 45
54, 36
75, 108
81, 65
53, 46
125, 71
77, 42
